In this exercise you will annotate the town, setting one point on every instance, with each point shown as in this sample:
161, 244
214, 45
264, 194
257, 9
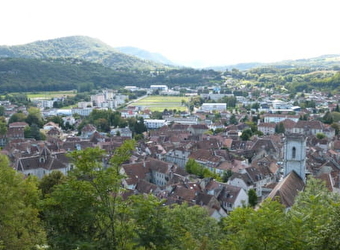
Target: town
246, 143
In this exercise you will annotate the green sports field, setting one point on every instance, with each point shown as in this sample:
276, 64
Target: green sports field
159, 103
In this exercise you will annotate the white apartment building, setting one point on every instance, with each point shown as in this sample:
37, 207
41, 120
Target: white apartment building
154, 123
209, 107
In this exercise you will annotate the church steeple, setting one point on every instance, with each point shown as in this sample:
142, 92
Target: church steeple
295, 155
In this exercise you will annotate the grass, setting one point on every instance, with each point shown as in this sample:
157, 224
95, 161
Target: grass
159, 103
48, 94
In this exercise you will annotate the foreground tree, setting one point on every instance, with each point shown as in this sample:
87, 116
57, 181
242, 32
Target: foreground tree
265, 228
20, 226
314, 213
87, 211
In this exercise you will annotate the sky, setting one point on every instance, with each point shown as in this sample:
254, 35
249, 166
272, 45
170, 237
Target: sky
209, 33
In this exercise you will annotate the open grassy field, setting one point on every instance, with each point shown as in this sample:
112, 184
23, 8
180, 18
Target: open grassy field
48, 94
159, 103
51, 94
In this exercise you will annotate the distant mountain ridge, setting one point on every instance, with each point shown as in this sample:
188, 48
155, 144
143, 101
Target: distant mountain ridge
80, 47
145, 55
323, 61
94, 50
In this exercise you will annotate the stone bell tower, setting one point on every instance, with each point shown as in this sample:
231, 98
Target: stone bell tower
295, 155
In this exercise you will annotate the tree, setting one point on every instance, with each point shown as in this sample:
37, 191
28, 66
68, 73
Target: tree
3, 126
2, 110
226, 175
193, 167
151, 223
313, 212
33, 131
265, 228
48, 182
252, 197
327, 118
17, 117
34, 117
320, 136
87, 211
188, 232
336, 127
246, 134
337, 108
280, 128
233, 119
20, 226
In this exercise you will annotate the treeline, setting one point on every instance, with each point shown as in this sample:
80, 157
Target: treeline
24, 75
89, 209
292, 79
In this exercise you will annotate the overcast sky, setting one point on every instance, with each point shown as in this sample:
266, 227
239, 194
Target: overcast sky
216, 32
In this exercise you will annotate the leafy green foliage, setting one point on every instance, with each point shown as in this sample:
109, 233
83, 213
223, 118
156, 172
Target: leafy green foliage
311, 223
252, 198
265, 228
279, 128
24, 75
20, 226
246, 134
193, 167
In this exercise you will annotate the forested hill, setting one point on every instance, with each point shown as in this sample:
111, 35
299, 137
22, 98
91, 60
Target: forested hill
80, 47
24, 74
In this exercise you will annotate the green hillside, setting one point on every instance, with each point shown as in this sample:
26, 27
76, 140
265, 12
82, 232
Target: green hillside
80, 47
25, 74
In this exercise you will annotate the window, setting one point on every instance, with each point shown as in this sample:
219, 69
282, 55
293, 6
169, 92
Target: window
293, 152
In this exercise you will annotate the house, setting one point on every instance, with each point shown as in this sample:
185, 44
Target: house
210, 107
208, 159
232, 197
177, 156
154, 123
81, 111
198, 129
160, 171
276, 118
252, 178
87, 131
134, 172
212, 204
152, 170
267, 128
48, 126
308, 127
124, 132
69, 120
289, 125
159, 87
229, 197
43, 163
54, 133
16, 130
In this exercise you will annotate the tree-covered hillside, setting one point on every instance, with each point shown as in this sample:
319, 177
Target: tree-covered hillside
23, 74
80, 47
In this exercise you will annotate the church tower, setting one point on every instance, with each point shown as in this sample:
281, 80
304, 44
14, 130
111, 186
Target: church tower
295, 155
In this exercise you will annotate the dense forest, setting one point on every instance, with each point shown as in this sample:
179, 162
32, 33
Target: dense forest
88, 209
22, 75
